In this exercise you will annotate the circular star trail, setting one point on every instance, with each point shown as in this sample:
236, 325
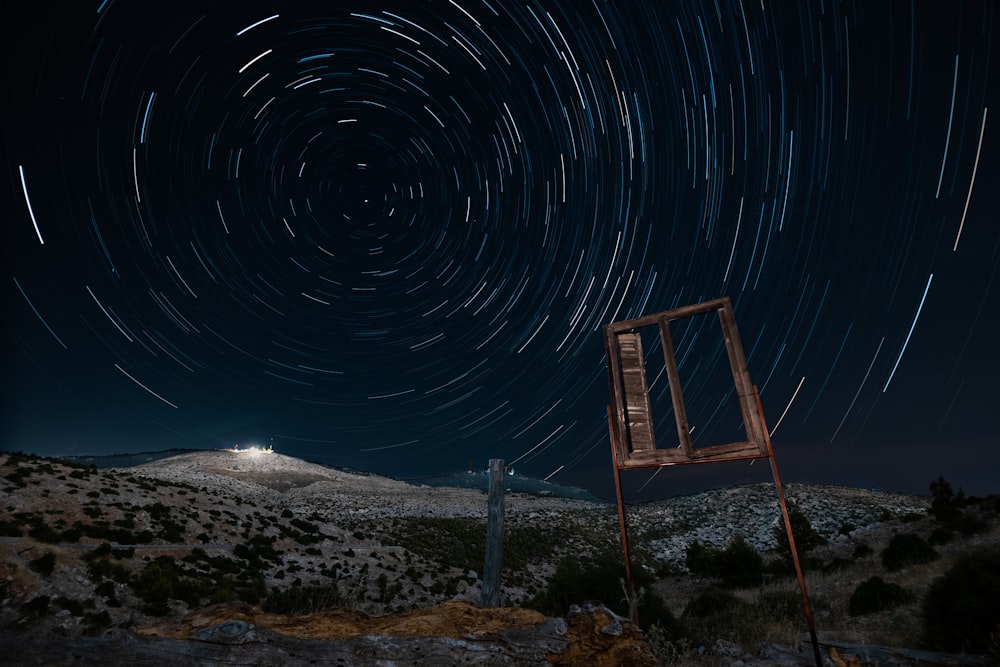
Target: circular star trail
388, 235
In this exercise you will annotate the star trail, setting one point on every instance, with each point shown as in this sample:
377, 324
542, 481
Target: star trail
388, 234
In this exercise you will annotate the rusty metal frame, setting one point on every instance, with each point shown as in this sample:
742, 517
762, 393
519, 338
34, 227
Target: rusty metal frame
630, 420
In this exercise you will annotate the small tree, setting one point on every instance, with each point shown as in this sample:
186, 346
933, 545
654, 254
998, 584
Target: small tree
806, 537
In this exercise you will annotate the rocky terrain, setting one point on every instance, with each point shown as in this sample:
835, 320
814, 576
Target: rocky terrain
247, 537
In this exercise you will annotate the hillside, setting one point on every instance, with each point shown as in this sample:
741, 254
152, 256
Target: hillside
87, 550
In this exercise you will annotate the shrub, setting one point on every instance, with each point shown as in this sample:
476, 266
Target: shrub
75, 607
960, 608
741, 565
876, 595
96, 623
10, 529
301, 600
44, 533
701, 559
738, 565
940, 536
105, 589
806, 537
36, 607
44, 564
601, 578
305, 526
906, 549
862, 551
711, 602
720, 614
945, 503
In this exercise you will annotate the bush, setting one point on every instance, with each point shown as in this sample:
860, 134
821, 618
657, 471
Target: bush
10, 529
736, 566
44, 533
711, 602
44, 564
907, 549
720, 614
301, 600
944, 500
602, 578
806, 537
960, 608
876, 595
96, 623
862, 551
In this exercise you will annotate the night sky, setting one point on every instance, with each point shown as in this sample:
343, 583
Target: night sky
388, 234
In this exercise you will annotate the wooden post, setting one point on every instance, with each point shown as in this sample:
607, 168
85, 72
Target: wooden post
490, 595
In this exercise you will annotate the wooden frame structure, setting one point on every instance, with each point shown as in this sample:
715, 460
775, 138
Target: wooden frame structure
630, 417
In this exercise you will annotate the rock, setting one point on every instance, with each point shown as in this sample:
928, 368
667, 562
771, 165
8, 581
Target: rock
450, 633
726, 649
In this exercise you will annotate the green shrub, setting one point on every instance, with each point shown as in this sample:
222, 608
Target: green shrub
44, 564
741, 565
305, 526
578, 580
720, 614
876, 595
862, 551
301, 600
10, 529
806, 537
907, 549
700, 559
711, 602
100, 569
960, 608
105, 589
940, 536
45, 533
945, 503
74, 607
736, 566
36, 607
96, 623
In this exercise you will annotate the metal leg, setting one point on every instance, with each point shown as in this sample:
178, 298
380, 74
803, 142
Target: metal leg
629, 581
791, 538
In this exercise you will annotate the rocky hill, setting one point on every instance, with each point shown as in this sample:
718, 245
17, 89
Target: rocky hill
86, 552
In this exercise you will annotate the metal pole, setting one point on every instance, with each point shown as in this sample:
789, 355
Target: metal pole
791, 538
629, 581
490, 595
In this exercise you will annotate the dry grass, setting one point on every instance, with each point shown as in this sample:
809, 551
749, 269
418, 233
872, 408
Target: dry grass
363, 524
830, 592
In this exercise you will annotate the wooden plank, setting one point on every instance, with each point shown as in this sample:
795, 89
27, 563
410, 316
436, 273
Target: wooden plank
741, 376
616, 411
638, 414
675, 314
674, 382
735, 451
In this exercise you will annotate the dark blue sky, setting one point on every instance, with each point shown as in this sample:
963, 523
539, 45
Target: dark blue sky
388, 234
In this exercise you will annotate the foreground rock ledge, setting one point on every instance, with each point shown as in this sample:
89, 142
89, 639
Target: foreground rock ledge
453, 633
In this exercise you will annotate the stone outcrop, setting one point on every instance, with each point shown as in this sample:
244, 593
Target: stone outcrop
452, 633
